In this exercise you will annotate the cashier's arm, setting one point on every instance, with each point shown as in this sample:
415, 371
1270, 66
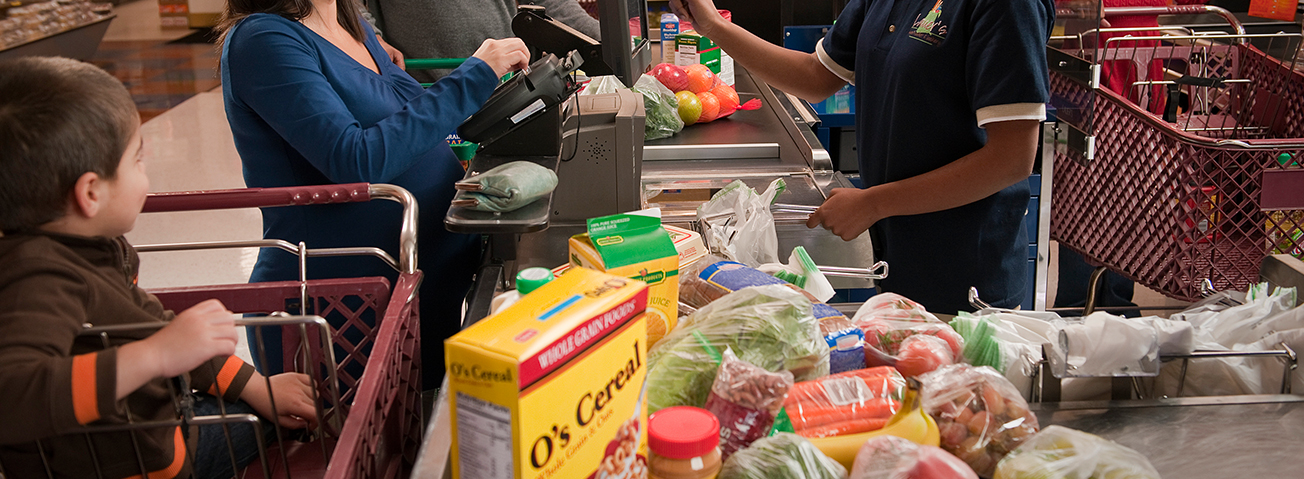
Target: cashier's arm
1006, 159
798, 73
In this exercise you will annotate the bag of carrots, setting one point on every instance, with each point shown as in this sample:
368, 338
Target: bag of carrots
847, 403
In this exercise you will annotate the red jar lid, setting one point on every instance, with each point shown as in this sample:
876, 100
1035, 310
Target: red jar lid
683, 432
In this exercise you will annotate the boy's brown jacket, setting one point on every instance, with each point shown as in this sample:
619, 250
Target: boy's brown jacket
52, 382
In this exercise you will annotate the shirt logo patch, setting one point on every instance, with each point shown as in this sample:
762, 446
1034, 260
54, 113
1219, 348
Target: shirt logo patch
928, 28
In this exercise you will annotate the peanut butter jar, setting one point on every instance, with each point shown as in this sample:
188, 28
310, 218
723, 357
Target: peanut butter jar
684, 443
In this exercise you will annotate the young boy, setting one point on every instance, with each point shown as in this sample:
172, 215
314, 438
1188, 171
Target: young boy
71, 184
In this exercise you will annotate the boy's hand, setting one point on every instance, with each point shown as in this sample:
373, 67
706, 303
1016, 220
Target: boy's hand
294, 399
198, 334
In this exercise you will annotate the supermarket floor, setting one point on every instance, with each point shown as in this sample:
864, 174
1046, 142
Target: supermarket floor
188, 146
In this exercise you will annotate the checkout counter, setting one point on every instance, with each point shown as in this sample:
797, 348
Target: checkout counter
604, 167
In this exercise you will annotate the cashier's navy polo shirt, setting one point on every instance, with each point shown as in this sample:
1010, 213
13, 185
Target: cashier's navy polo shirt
929, 74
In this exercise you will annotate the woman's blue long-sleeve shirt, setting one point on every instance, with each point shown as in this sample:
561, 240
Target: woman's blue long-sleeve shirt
303, 112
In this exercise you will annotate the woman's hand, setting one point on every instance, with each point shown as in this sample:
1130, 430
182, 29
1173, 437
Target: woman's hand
394, 55
847, 213
701, 13
504, 56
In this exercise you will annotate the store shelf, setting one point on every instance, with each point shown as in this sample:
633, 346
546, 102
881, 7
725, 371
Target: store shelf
79, 42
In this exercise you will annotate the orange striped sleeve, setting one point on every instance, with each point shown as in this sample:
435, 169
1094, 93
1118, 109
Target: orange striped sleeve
225, 376
85, 404
178, 460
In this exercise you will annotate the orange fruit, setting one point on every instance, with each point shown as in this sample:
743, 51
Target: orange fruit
710, 107
700, 78
726, 94
690, 108
657, 326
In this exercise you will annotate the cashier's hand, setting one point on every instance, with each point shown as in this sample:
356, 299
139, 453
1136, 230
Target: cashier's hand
394, 55
846, 213
701, 13
504, 56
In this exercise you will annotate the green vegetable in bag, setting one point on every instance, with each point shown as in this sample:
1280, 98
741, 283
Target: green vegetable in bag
660, 106
770, 326
782, 456
506, 187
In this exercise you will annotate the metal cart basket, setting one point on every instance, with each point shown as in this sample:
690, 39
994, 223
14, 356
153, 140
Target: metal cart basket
1173, 198
360, 345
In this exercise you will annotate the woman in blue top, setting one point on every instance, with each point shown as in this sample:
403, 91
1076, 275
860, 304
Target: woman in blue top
950, 94
312, 99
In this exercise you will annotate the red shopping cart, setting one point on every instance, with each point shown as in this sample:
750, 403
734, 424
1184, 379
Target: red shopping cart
361, 346
1201, 192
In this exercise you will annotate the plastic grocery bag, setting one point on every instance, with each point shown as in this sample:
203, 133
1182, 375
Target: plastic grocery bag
738, 223
660, 107
1103, 345
802, 272
770, 326
1008, 341
506, 187
891, 457
979, 413
1065, 453
847, 403
745, 398
1266, 321
782, 456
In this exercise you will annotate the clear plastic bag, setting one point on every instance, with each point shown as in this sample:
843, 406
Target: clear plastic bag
506, 187
1064, 453
901, 334
893, 306
782, 456
738, 223
770, 326
660, 107
745, 399
848, 403
891, 457
1008, 341
980, 414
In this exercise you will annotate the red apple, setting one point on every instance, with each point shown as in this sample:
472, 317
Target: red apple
672, 76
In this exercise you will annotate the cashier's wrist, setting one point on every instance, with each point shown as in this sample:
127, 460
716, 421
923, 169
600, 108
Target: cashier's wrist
872, 203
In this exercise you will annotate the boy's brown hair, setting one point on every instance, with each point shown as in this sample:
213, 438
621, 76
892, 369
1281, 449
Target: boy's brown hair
59, 119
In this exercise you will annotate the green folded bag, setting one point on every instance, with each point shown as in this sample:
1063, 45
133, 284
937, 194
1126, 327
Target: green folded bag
505, 188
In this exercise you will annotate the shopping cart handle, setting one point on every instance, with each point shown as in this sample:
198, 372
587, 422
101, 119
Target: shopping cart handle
433, 63
299, 196
257, 197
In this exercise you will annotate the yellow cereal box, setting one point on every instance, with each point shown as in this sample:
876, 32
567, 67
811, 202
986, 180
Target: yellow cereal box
635, 246
552, 387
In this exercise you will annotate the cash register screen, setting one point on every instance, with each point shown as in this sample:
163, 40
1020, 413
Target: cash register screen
625, 44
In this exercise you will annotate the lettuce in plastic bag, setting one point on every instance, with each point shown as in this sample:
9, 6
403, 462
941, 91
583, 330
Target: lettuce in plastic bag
782, 456
660, 107
770, 326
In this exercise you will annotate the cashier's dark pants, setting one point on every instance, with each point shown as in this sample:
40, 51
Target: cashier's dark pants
1074, 276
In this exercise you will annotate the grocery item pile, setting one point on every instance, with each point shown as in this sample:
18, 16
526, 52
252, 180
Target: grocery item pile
591, 375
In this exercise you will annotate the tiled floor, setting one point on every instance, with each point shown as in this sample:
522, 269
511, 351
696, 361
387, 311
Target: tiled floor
159, 75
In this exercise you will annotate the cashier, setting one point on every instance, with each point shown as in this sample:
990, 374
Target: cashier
313, 99
950, 94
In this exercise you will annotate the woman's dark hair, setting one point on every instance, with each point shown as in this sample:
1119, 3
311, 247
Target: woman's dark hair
346, 12
59, 119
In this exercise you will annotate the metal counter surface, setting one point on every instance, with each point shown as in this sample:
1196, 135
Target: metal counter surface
1197, 438
530, 218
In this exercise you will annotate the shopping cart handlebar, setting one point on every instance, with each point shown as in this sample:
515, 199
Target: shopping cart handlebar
257, 197
299, 196
1237, 28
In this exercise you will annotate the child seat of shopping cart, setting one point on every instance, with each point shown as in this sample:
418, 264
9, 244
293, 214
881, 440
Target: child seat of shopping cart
1170, 202
360, 346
